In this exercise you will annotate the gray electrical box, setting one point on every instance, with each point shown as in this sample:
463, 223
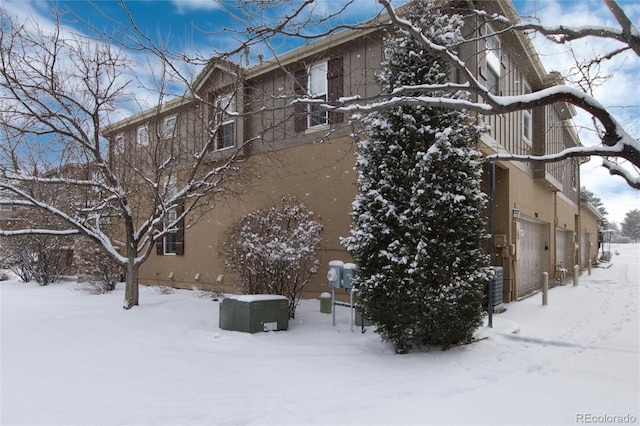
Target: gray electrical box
254, 313
334, 276
347, 275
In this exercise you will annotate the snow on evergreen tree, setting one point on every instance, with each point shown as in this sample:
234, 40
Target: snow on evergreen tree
418, 224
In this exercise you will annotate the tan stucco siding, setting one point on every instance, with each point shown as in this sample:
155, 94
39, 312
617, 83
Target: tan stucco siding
321, 175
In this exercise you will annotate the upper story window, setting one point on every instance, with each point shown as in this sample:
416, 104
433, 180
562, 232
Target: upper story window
527, 117
225, 107
169, 127
323, 81
118, 144
143, 136
494, 66
318, 91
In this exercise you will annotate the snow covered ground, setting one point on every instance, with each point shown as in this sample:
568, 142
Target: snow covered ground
68, 357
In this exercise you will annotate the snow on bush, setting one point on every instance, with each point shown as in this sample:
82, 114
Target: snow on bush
100, 271
43, 258
273, 250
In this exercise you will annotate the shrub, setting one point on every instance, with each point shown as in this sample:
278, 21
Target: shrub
273, 250
100, 270
43, 258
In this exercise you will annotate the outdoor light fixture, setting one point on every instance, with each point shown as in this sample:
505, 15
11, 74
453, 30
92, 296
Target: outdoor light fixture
515, 213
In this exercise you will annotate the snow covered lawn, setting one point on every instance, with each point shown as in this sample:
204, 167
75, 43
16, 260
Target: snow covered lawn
68, 357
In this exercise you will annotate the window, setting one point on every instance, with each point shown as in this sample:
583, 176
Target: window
169, 127
324, 82
143, 136
527, 124
119, 143
170, 239
172, 243
493, 62
317, 90
225, 107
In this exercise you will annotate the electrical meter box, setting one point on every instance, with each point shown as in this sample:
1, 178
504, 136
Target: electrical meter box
347, 274
334, 276
500, 240
254, 313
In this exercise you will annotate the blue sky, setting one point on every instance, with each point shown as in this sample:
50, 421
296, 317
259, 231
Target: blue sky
195, 25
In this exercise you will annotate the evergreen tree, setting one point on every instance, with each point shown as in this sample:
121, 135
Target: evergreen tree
418, 224
631, 225
590, 197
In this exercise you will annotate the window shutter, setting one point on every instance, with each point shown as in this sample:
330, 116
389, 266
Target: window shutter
180, 231
300, 109
335, 87
160, 242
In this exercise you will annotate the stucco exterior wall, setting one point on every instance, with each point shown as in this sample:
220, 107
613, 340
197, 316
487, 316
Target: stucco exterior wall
589, 239
321, 175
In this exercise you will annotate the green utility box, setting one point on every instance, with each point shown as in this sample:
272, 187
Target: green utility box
254, 313
325, 303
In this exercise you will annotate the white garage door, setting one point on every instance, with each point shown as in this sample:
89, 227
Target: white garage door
564, 249
584, 249
533, 256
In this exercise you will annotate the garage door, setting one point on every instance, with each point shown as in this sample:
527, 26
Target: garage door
564, 249
585, 239
533, 254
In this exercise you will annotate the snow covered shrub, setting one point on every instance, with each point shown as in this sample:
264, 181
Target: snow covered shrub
100, 270
418, 225
43, 258
273, 250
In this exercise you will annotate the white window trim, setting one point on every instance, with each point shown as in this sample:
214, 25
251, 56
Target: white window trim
119, 143
226, 109
139, 138
493, 48
575, 173
323, 66
527, 114
167, 132
317, 128
172, 216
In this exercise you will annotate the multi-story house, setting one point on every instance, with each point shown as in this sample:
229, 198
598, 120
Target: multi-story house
304, 150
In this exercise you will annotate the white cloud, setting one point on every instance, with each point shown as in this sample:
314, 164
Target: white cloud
184, 6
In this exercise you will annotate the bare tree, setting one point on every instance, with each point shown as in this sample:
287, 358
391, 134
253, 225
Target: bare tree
58, 93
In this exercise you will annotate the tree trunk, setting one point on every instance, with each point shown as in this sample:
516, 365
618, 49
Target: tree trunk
131, 288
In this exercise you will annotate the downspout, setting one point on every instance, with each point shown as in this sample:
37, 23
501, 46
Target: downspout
553, 261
